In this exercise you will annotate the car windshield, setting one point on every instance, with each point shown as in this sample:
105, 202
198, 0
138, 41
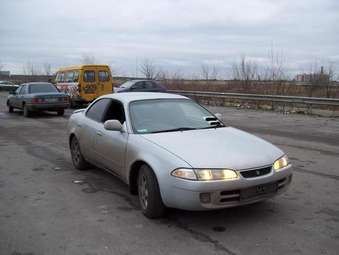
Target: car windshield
168, 115
42, 88
127, 84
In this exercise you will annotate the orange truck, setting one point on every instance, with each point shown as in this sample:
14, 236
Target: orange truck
84, 83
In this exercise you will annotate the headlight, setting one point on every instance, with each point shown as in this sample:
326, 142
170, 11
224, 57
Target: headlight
281, 163
205, 174
184, 173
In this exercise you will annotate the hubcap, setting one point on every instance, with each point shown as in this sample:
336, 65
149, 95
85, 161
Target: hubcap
143, 192
75, 151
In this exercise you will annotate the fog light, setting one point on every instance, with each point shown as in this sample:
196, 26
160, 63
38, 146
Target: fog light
205, 198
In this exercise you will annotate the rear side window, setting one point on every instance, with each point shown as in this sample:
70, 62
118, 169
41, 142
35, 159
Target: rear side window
138, 85
18, 90
89, 76
97, 110
103, 76
150, 85
23, 90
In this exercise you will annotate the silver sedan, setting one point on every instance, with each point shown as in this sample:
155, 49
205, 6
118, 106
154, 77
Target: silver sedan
173, 152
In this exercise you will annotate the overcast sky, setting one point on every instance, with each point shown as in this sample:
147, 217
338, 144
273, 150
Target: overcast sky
177, 35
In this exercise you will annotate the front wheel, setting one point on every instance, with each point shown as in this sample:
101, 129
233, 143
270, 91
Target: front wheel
149, 194
26, 111
78, 160
10, 108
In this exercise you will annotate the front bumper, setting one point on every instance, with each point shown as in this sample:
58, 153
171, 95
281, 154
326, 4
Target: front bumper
47, 107
185, 194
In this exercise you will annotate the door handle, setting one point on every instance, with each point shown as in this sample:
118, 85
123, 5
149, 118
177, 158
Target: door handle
99, 133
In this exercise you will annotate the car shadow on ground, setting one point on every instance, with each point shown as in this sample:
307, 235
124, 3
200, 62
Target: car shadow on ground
43, 114
97, 180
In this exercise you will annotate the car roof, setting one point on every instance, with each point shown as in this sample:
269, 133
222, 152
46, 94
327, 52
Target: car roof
36, 83
127, 97
79, 67
138, 80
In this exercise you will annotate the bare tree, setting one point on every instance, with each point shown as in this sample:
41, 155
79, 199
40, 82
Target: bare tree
148, 69
88, 59
205, 71
331, 72
47, 68
245, 70
275, 70
29, 69
214, 73
177, 75
161, 75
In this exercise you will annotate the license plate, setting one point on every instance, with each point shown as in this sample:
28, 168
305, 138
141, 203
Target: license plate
51, 100
259, 190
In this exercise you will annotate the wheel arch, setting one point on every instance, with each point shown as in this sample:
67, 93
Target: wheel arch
71, 136
133, 175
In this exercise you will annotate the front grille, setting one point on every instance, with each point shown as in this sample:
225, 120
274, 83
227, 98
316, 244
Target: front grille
229, 196
256, 172
254, 192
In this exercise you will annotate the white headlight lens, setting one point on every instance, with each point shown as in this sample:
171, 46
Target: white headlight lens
184, 173
281, 163
216, 174
205, 174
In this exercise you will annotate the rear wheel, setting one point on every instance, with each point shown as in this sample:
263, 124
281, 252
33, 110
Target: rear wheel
78, 160
26, 111
149, 193
61, 112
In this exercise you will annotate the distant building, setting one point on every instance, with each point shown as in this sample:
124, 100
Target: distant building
5, 73
310, 77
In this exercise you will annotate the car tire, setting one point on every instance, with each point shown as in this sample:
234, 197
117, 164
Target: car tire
10, 108
149, 194
60, 112
26, 111
72, 104
78, 160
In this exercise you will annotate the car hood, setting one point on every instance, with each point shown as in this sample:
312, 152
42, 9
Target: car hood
226, 147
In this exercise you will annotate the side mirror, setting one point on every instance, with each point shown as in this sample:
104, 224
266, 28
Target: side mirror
113, 125
218, 115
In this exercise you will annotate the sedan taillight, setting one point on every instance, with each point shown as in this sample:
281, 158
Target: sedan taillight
38, 100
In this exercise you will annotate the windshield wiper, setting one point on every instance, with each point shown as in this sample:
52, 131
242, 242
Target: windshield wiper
175, 129
214, 126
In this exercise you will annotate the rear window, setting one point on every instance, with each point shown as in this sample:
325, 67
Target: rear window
89, 76
42, 88
103, 76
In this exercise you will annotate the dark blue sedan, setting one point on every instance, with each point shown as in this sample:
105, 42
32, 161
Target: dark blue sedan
140, 86
38, 96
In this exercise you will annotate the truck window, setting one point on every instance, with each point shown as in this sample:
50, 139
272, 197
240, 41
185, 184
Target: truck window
89, 76
103, 76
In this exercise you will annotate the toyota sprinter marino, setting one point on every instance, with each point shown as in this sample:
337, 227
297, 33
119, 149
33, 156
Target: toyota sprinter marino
173, 152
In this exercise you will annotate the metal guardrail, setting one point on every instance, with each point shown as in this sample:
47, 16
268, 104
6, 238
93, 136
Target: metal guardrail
260, 97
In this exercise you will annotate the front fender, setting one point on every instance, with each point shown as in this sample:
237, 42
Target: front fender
159, 159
